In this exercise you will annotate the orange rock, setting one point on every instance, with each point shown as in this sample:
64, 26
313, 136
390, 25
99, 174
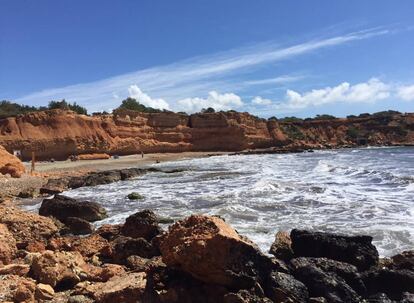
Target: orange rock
10, 164
93, 157
8, 247
17, 289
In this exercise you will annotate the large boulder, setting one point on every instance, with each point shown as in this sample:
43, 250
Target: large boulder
27, 228
143, 224
8, 247
356, 250
62, 207
10, 164
212, 251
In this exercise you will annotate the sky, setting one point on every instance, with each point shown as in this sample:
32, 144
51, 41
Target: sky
267, 57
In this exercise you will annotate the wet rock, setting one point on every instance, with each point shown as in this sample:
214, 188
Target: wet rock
26, 227
108, 231
8, 247
97, 178
55, 186
62, 207
327, 285
135, 196
61, 270
346, 271
391, 282
16, 289
143, 224
356, 250
44, 292
130, 173
281, 247
15, 269
78, 226
127, 288
404, 260
283, 287
212, 251
123, 247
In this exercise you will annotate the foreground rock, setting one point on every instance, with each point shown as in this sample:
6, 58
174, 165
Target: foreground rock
212, 251
8, 247
357, 250
10, 164
143, 224
27, 228
62, 207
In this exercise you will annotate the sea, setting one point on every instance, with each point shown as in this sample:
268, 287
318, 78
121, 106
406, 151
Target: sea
366, 191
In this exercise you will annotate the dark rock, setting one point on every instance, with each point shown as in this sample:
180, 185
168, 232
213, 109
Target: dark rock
62, 207
327, 285
391, 282
346, 271
281, 247
104, 177
109, 231
78, 226
143, 224
135, 196
254, 295
317, 300
379, 298
139, 264
130, 173
55, 186
283, 287
404, 260
356, 250
123, 247
407, 298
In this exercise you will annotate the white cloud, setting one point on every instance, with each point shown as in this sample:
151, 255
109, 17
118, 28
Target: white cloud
215, 100
406, 92
136, 93
190, 77
276, 80
366, 92
261, 101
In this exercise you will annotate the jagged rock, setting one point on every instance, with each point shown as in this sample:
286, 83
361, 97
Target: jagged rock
123, 247
8, 247
104, 273
327, 285
127, 288
283, 287
61, 270
317, 300
15, 269
108, 231
143, 224
78, 226
346, 271
86, 246
356, 250
62, 207
212, 251
404, 260
138, 263
281, 247
55, 186
26, 227
16, 289
130, 173
391, 282
44, 292
379, 298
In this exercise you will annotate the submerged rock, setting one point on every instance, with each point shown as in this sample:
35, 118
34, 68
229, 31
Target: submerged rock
135, 196
356, 250
62, 207
212, 251
143, 224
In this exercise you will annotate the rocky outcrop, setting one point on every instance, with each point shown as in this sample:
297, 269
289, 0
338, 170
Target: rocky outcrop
8, 247
143, 224
10, 164
58, 134
62, 207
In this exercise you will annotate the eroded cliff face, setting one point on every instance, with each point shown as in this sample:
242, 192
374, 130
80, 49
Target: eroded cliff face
58, 134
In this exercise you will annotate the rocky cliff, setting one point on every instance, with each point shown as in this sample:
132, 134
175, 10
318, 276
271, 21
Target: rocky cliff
58, 134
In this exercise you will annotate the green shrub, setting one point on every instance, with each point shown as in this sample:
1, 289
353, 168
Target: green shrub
132, 104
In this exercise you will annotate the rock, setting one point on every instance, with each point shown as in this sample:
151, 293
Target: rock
8, 247
346, 271
391, 282
356, 250
285, 288
10, 164
15, 269
404, 260
86, 246
130, 173
379, 298
123, 247
245, 296
137, 263
44, 292
210, 250
62, 207
281, 247
127, 288
80, 299
104, 273
317, 300
26, 227
143, 224
78, 226
327, 285
16, 289
54, 186
135, 196
108, 231
61, 270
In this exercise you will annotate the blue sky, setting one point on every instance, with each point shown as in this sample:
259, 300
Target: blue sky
271, 58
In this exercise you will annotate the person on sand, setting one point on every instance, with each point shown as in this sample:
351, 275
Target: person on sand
142, 154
